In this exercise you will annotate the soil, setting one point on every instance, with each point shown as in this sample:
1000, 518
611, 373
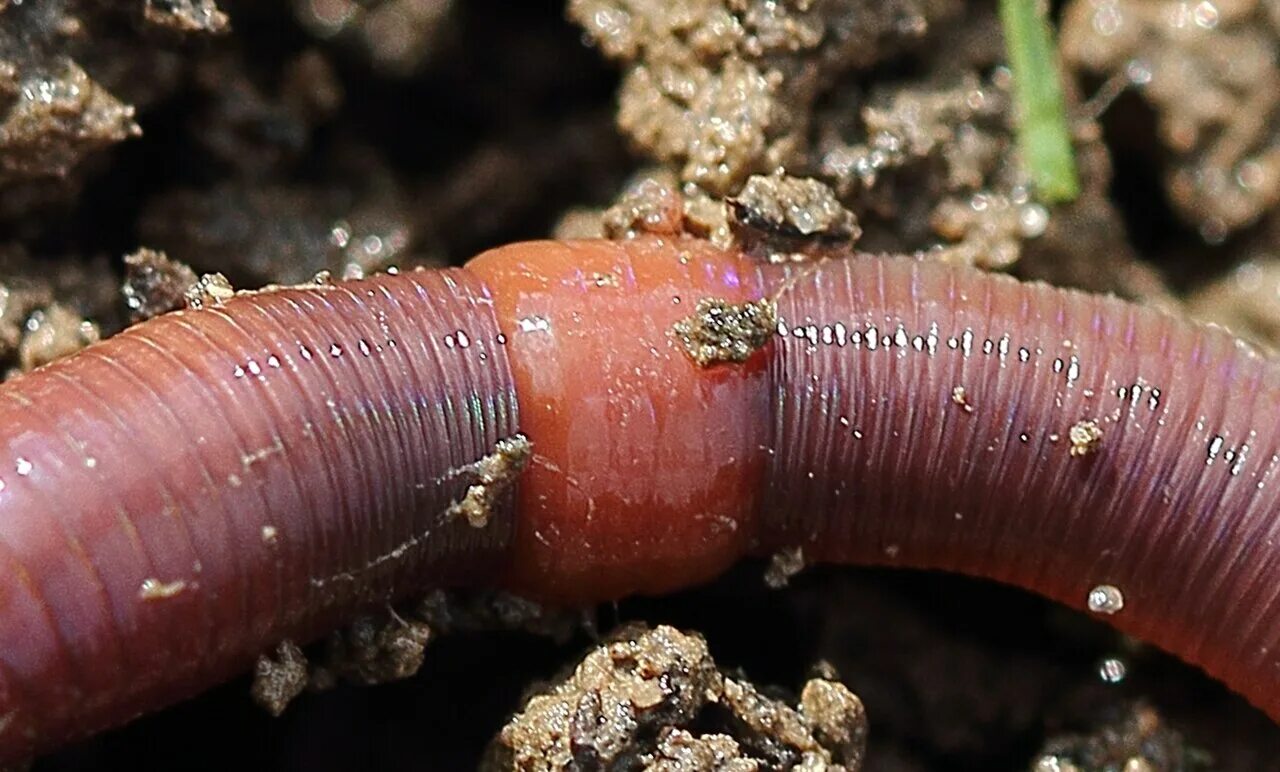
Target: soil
156, 153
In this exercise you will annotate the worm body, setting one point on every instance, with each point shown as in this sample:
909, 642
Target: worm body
178, 499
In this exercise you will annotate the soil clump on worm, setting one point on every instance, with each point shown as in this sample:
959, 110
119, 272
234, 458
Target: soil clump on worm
267, 142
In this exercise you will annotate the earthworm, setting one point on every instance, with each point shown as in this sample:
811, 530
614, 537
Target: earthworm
176, 500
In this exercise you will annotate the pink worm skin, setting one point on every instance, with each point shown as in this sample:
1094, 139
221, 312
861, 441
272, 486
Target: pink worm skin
279, 463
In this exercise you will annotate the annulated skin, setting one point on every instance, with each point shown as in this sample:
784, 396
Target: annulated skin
176, 501
1177, 505
275, 464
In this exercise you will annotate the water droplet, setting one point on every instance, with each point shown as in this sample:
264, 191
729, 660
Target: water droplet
1205, 15
534, 323
335, 350
23, 467
1105, 599
1112, 670
1033, 220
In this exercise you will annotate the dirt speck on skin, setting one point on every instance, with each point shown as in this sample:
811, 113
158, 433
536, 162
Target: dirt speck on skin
1085, 437
650, 698
279, 678
1212, 73
1138, 740
154, 284
153, 589
494, 475
211, 289
722, 332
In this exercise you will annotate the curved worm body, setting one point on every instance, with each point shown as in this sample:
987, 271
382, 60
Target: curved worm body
178, 499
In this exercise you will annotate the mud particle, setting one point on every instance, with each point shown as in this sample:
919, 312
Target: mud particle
154, 284
1105, 599
372, 650
679, 750
186, 15
837, 717
496, 473
783, 565
1217, 113
1137, 740
987, 228
1085, 437
719, 331
211, 289
57, 121
448, 611
786, 219
649, 205
278, 679
51, 333
155, 589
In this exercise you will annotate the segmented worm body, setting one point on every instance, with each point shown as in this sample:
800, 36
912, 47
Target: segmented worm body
178, 499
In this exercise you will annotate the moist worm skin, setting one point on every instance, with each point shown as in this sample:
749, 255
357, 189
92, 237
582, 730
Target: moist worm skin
176, 501
181, 497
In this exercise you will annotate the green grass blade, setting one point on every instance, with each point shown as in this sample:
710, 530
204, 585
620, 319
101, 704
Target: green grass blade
1041, 111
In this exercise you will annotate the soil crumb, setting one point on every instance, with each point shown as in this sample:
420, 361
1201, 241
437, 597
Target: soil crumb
788, 219
650, 204
371, 650
278, 679
211, 289
652, 699
154, 284
52, 333
448, 611
783, 565
186, 15
1085, 437
719, 331
496, 473
1211, 73
1137, 741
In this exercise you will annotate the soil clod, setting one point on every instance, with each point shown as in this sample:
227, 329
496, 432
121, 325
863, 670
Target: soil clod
719, 331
